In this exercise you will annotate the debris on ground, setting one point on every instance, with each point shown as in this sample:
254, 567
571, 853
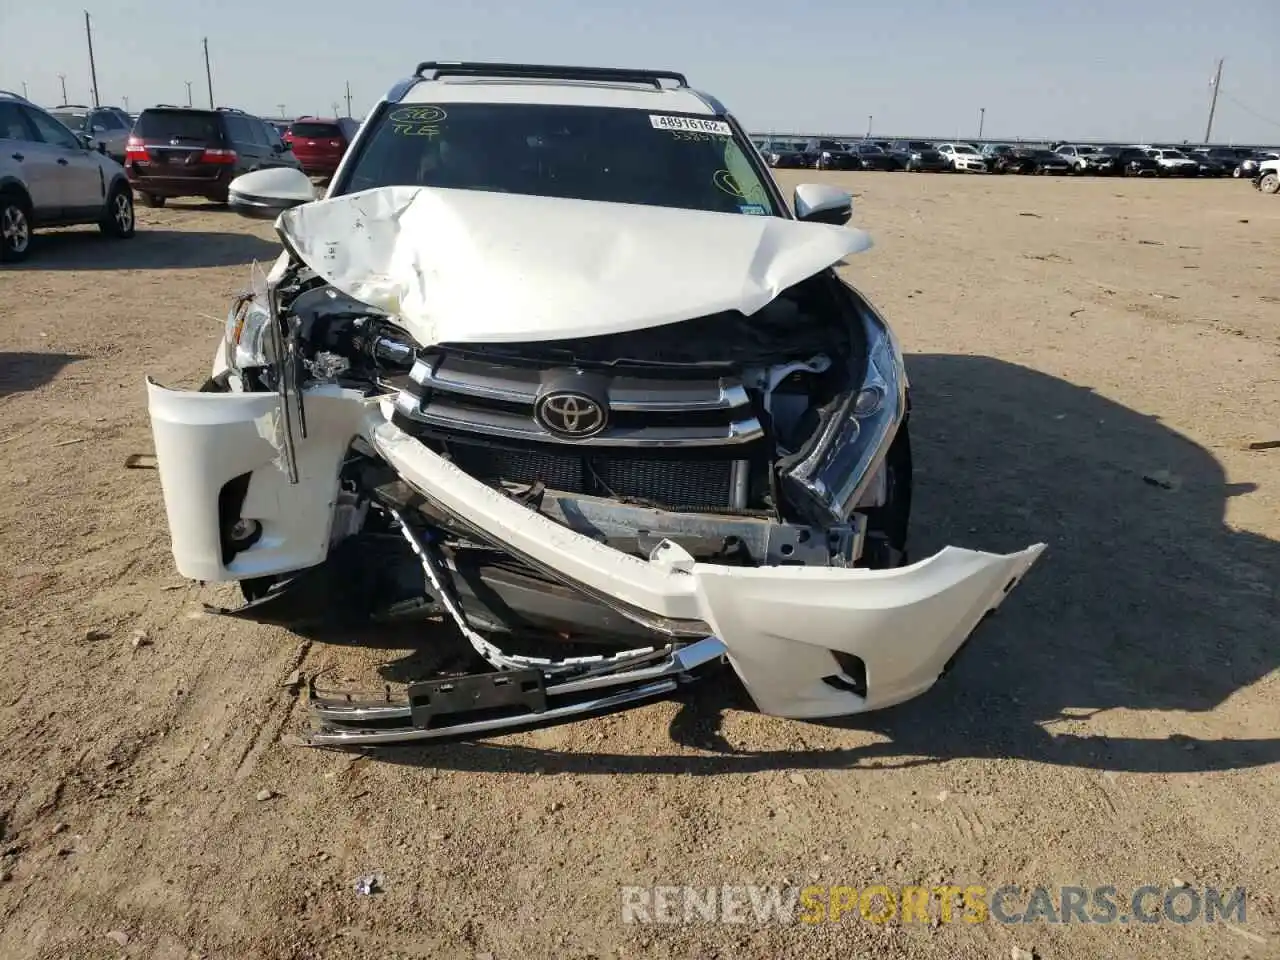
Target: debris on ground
293, 682
140, 461
140, 639
1162, 479
368, 885
67, 443
1029, 214
93, 634
1018, 953
119, 937
264, 795
799, 780
1264, 445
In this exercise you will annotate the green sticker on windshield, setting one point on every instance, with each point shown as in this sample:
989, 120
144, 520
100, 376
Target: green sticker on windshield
724, 180
421, 120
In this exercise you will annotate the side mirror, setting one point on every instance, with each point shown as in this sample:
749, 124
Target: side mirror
102, 147
822, 203
265, 194
87, 140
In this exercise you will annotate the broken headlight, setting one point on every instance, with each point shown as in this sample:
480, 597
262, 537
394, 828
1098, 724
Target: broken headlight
843, 459
247, 338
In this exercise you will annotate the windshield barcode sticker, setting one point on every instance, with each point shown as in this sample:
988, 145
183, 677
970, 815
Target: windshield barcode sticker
662, 121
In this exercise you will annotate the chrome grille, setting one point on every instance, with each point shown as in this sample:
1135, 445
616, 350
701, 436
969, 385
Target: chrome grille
452, 396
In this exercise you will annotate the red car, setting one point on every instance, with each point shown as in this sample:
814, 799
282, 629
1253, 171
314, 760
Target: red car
319, 143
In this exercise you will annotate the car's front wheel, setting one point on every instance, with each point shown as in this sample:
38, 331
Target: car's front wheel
15, 227
1270, 183
118, 220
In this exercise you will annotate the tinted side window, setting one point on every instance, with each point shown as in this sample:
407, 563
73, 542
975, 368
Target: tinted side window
108, 121
239, 129
12, 126
50, 130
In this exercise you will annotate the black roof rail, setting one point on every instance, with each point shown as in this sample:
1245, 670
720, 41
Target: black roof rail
172, 106
14, 96
231, 110
537, 71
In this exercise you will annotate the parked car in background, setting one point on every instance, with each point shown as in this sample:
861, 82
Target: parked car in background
106, 125
1086, 158
829, 155
1131, 162
1035, 160
992, 154
189, 152
1173, 163
784, 154
319, 144
963, 157
871, 157
51, 177
1208, 166
919, 155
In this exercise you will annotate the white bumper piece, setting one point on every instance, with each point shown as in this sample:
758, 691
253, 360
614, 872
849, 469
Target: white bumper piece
780, 625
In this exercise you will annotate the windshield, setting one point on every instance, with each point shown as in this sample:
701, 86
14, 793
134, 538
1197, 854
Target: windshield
72, 120
574, 152
315, 128
1173, 155
964, 148
179, 125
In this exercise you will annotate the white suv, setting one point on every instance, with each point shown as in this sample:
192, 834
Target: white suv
51, 178
1267, 178
963, 157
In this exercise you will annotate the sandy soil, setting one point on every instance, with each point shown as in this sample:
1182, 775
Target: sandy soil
1118, 723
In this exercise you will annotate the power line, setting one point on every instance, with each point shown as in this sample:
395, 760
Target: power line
1253, 113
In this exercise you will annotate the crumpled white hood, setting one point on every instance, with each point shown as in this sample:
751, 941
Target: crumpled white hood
463, 265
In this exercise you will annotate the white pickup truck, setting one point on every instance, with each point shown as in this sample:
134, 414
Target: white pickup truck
1267, 179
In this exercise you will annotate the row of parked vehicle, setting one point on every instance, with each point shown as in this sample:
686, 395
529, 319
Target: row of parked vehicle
1141, 160
82, 165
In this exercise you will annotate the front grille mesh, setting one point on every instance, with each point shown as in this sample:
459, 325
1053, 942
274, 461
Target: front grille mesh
671, 484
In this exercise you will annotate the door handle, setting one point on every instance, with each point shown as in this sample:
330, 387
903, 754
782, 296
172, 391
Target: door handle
19, 157
62, 161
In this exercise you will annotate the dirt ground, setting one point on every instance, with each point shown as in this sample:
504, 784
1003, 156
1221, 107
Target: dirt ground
1091, 360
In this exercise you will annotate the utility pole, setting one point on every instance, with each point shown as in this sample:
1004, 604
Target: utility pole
93, 70
348, 98
281, 106
982, 120
24, 92
868, 126
335, 108
62, 77
208, 73
126, 103
1213, 103
188, 93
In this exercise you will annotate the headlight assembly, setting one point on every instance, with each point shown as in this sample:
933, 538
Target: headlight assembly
246, 338
852, 443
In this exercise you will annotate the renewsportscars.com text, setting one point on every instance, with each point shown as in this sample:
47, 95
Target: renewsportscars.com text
945, 903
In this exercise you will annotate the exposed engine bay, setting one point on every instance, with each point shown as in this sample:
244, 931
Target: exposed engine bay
733, 485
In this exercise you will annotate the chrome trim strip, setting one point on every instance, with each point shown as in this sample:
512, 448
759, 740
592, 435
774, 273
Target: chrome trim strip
340, 736
697, 654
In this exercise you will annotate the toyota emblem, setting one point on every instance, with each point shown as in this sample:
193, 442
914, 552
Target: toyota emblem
571, 415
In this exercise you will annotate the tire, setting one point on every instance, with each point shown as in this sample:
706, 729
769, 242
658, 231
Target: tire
15, 227
119, 220
151, 200
1237, 173
1270, 183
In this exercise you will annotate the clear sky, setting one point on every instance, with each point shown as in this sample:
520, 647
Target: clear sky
1136, 70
